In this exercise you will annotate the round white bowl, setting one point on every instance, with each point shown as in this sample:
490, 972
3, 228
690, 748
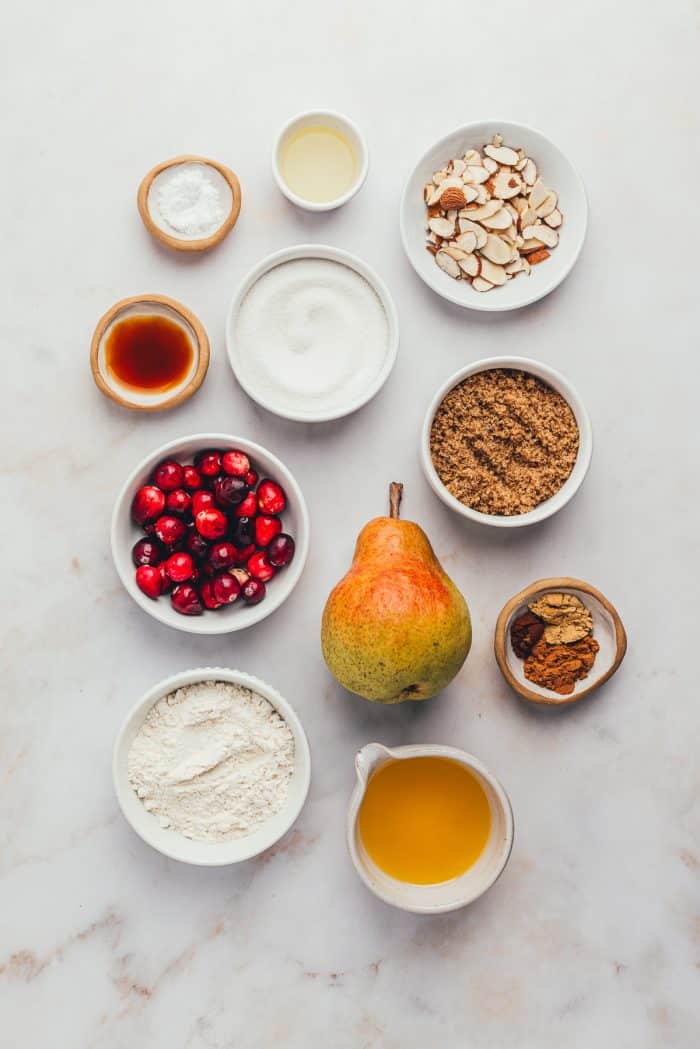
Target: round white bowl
209, 853
124, 533
337, 122
447, 895
573, 482
557, 172
314, 251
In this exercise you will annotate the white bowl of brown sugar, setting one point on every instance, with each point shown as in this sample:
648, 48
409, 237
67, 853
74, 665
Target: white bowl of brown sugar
506, 441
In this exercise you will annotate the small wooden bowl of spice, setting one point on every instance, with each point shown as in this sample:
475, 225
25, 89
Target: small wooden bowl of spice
189, 203
558, 640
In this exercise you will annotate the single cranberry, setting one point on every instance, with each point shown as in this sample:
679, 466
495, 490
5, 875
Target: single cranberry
280, 550
240, 574
179, 567
271, 497
212, 524
253, 591
197, 546
170, 530
266, 528
148, 580
230, 491
243, 531
166, 580
202, 501
208, 463
149, 503
251, 478
191, 479
178, 501
226, 588
235, 463
206, 592
249, 506
259, 566
244, 552
147, 552
168, 475
185, 600
222, 555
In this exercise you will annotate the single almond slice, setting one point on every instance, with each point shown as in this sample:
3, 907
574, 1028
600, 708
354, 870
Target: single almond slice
439, 176
549, 237
502, 155
501, 220
528, 217
475, 174
519, 203
454, 252
533, 244
472, 157
516, 266
497, 140
470, 192
492, 272
538, 194
506, 184
522, 162
479, 284
434, 196
457, 166
490, 165
467, 241
482, 194
471, 265
478, 214
443, 227
538, 256
447, 263
529, 171
496, 250
452, 197
532, 230
554, 219
467, 226
548, 205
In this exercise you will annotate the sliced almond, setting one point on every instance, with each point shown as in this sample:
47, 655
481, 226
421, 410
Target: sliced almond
538, 194
467, 241
454, 252
471, 265
506, 184
479, 284
519, 203
490, 165
492, 272
502, 155
548, 205
482, 194
478, 214
521, 163
516, 266
539, 256
439, 176
497, 140
554, 219
457, 166
530, 245
443, 227
434, 197
529, 172
549, 237
467, 226
501, 220
475, 174
473, 157
470, 192
447, 263
496, 250
528, 217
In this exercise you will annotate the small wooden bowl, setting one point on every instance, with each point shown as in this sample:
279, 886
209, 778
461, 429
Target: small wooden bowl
173, 240
608, 631
144, 401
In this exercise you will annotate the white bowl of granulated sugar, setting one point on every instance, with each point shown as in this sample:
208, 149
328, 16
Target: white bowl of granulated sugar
211, 767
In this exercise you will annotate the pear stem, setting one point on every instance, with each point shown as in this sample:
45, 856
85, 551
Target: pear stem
395, 493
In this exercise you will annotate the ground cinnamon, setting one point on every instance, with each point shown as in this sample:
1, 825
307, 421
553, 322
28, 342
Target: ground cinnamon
559, 667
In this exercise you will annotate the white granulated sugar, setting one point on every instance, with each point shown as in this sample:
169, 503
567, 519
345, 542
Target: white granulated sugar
212, 761
190, 202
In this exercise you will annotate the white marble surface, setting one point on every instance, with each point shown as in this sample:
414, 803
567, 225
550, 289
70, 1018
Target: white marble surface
592, 936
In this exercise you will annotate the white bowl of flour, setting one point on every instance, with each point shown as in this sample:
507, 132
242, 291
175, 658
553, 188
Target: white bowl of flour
211, 767
312, 333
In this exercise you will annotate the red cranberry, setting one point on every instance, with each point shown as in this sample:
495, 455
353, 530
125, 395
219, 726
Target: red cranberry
244, 552
208, 463
179, 567
168, 475
230, 491
185, 600
259, 566
197, 546
251, 478
240, 574
191, 479
222, 555
212, 524
243, 531
253, 591
266, 528
226, 588
235, 463
149, 503
202, 501
271, 497
206, 592
249, 506
170, 530
178, 501
147, 552
149, 581
280, 550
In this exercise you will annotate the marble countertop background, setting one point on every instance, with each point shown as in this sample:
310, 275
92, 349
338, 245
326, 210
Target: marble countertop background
592, 935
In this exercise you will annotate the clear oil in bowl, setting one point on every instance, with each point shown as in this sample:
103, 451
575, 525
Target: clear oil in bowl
318, 163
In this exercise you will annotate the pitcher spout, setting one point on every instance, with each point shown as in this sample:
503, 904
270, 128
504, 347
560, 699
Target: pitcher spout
368, 758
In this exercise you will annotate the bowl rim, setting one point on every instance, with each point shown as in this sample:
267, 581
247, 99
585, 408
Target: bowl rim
226, 624
195, 676
480, 302
471, 762
571, 485
201, 349
500, 639
326, 205
179, 243
331, 254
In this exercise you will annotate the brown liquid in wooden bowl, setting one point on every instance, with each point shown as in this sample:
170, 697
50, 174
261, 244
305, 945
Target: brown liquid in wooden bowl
148, 352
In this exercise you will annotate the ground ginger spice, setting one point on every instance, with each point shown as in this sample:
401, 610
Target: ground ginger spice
559, 667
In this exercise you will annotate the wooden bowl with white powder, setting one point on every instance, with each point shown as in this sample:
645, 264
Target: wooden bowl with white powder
211, 767
189, 203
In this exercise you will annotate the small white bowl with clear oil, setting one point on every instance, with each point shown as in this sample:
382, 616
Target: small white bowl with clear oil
320, 160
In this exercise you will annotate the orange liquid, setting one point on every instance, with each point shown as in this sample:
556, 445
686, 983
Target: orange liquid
148, 352
424, 820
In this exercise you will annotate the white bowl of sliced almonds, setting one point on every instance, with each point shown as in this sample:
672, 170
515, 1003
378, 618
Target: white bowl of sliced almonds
493, 216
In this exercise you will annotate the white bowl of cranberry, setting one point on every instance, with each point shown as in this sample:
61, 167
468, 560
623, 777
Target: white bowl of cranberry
210, 533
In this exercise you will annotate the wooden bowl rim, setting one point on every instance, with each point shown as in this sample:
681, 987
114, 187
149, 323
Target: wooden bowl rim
177, 243
202, 350
501, 640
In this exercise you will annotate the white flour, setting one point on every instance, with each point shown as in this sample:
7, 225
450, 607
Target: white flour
189, 201
212, 761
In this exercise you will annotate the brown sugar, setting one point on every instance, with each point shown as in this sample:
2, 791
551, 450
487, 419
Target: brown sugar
559, 667
503, 441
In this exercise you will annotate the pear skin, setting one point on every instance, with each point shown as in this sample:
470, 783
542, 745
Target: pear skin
395, 627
